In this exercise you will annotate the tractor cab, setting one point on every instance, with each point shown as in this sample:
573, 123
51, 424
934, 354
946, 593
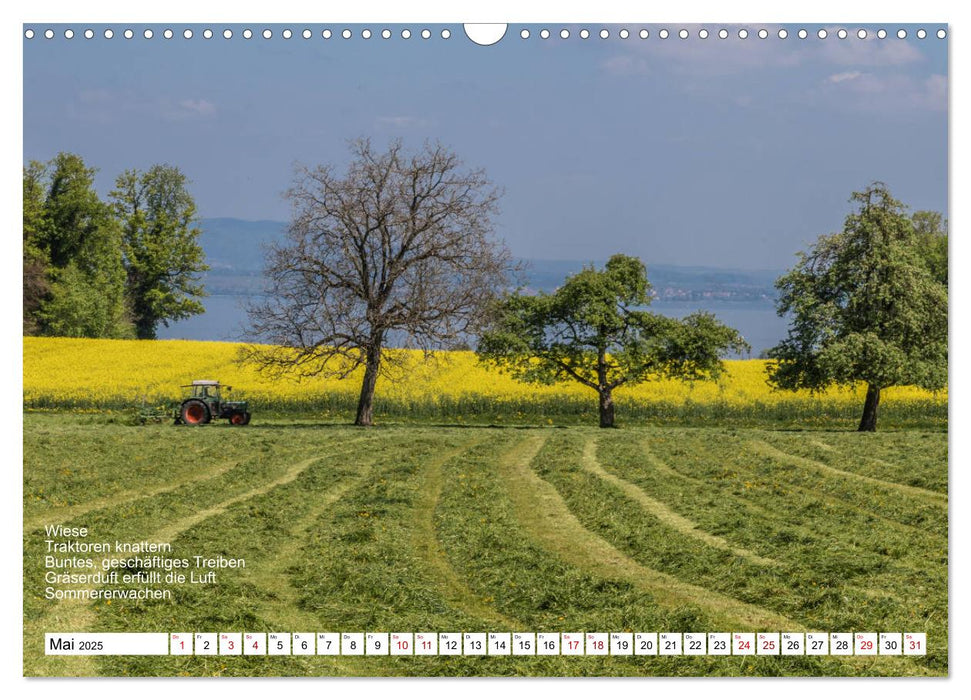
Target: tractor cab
203, 401
208, 390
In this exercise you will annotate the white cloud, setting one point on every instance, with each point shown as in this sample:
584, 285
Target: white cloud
97, 105
105, 106
852, 73
403, 122
96, 96
184, 109
202, 108
871, 52
935, 89
720, 57
699, 57
626, 65
896, 92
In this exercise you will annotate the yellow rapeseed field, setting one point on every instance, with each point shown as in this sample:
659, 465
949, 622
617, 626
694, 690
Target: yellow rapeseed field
115, 374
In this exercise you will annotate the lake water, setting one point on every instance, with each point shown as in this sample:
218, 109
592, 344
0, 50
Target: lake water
225, 318
757, 321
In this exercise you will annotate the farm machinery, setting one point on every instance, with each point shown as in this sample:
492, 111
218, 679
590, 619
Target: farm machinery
203, 402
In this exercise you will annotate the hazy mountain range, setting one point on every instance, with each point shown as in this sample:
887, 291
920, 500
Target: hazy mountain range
235, 249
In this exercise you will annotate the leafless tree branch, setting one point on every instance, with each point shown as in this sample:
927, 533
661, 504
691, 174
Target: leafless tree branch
399, 249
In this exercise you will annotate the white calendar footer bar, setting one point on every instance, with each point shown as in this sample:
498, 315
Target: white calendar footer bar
398, 644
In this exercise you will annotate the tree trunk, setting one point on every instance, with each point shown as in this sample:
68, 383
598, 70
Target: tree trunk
606, 409
604, 390
869, 421
365, 410
144, 329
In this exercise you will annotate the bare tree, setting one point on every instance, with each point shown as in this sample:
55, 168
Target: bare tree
399, 249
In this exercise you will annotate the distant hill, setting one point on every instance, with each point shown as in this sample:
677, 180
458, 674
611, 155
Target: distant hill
669, 282
235, 253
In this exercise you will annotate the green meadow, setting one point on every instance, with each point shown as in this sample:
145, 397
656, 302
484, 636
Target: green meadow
418, 527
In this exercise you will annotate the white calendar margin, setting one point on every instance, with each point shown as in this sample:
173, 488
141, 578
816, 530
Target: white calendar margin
510, 11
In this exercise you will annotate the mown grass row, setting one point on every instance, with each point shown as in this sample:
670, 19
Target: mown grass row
278, 533
734, 460
912, 458
851, 559
257, 460
70, 461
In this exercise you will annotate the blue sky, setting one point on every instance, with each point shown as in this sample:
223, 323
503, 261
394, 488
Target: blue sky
693, 152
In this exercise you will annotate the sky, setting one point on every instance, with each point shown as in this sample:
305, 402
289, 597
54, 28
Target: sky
715, 152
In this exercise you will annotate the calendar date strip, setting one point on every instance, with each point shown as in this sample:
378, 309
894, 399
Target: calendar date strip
485, 644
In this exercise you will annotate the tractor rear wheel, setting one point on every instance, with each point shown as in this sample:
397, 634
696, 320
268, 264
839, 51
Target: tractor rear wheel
195, 412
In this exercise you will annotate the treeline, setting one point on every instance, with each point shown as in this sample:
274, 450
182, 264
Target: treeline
108, 269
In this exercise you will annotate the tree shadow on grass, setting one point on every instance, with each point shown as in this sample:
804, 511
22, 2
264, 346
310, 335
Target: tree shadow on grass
389, 426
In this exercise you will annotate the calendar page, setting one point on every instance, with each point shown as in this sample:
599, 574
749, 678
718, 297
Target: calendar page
440, 349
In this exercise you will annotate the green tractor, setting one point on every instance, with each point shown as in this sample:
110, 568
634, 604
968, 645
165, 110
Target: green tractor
202, 402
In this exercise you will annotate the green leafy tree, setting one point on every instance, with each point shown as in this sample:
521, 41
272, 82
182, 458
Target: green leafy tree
865, 307
162, 256
595, 331
931, 230
35, 259
76, 306
78, 240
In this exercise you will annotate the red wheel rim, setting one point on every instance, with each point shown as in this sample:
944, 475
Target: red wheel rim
237, 419
194, 413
